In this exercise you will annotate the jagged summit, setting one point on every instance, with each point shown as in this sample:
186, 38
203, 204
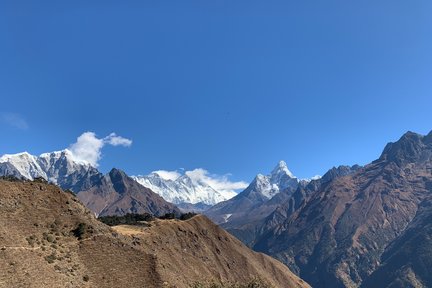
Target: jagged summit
411, 147
282, 169
260, 191
24, 164
59, 167
269, 185
7, 157
65, 154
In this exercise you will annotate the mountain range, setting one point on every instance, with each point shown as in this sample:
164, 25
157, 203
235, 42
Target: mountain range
58, 167
184, 190
111, 194
246, 215
189, 194
356, 226
63, 169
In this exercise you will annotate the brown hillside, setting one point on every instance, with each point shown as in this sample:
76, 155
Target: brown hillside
38, 249
199, 249
49, 239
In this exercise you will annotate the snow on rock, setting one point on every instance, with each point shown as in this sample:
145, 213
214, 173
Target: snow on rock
59, 167
183, 189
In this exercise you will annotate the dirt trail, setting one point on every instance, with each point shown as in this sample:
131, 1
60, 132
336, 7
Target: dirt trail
19, 247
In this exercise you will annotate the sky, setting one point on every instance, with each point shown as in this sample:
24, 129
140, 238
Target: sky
231, 87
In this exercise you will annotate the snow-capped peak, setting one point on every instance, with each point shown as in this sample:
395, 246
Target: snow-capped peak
13, 157
25, 163
65, 154
183, 189
56, 167
278, 180
282, 169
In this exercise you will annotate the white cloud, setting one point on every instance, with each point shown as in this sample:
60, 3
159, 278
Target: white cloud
168, 175
15, 120
115, 140
220, 183
88, 147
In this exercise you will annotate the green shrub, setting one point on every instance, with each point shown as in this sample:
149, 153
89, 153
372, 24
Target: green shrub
128, 219
168, 216
187, 216
80, 231
50, 258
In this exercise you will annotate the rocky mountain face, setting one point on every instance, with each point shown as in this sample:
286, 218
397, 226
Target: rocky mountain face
111, 194
118, 194
57, 167
49, 239
183, 190
407, 261
363, 228
242, 214
256, 223
261, 190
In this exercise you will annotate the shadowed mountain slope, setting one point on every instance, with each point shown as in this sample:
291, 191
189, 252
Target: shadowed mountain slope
407, 262
118, 194
338, 236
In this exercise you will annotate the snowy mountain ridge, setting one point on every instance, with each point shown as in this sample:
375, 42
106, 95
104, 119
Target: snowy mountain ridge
190, 187
184, 189
279, 179
59, 167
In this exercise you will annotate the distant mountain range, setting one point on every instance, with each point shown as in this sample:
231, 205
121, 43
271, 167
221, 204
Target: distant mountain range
189, 194
183, 189
111, 194
94, 188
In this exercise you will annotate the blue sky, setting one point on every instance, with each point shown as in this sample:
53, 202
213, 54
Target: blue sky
229, 86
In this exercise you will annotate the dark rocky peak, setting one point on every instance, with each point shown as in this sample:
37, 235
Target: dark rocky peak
410, 148
340, 171
428, 139
119, 180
